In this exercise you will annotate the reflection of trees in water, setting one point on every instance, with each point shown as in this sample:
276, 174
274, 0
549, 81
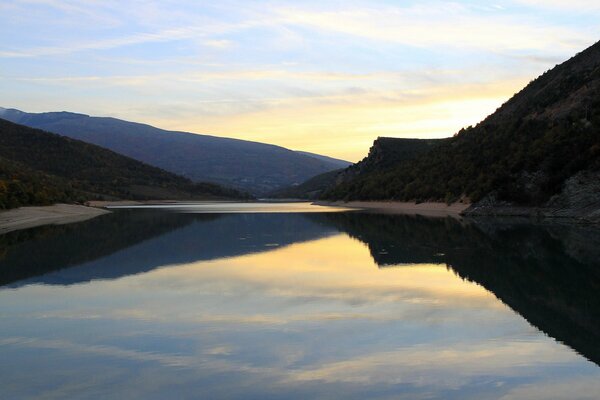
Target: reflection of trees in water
550, 274
48, 248
131, 242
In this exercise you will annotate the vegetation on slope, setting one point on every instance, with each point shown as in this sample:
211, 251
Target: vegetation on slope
250, 166
38, 167
311, 189
522, 154
384, 155
20, 186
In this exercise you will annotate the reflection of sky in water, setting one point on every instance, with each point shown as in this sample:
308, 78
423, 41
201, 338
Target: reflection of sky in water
237, 208
315, 319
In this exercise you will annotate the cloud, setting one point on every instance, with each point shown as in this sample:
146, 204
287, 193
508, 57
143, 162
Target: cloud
572, 6
439, 24
314, 110
298, 74
166, 35
427, 24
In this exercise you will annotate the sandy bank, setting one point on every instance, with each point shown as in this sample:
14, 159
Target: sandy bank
397, 207
58, 214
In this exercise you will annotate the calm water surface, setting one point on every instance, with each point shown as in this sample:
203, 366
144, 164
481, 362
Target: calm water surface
210, 302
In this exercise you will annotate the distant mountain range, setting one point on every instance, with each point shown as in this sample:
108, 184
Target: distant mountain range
254, 167
38, 167
540, 150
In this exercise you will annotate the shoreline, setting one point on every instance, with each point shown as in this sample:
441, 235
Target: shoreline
466, 210
57, 214
400, 207
576, 215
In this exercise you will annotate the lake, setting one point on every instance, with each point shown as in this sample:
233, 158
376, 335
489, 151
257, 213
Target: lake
293, 301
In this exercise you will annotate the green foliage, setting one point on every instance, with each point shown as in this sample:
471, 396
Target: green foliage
37, 167
21, 186
523, 153
311, 189
251, 166
385, 153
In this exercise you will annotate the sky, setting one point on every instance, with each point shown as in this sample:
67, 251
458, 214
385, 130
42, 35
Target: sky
321, 76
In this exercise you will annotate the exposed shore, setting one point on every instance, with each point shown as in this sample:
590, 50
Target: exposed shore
398, 207
570, 214
58, 214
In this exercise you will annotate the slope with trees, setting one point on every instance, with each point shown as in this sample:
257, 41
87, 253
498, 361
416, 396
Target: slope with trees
250, 166
385, 154
541, 144
38, 167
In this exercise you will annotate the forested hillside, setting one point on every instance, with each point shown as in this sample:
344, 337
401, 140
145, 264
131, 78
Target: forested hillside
310, 189
385, 154
522, 154
38, 167
20, 186
255, 167
388, 153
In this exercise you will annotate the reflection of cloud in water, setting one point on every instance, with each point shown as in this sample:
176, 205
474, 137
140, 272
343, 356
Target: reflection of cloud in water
580, 388
319, 270
169, 360
418, 365
439, 366
305, 316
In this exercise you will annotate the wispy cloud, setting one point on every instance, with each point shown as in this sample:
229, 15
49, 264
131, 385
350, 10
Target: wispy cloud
265, 70
439, 24
572, 6
167, 35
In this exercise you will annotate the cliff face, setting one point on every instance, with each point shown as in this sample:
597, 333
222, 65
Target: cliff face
387, 153
578, 199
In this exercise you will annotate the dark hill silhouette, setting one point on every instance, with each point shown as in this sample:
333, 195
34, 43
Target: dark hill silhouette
251, 166
540, 149
38, 167
385, 154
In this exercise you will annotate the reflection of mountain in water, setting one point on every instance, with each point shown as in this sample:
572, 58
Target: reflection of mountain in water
548, 274
49, 248
130, 242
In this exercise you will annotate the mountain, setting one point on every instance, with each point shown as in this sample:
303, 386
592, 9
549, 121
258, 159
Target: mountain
38, 167
255, 167
385, 154
540, 150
